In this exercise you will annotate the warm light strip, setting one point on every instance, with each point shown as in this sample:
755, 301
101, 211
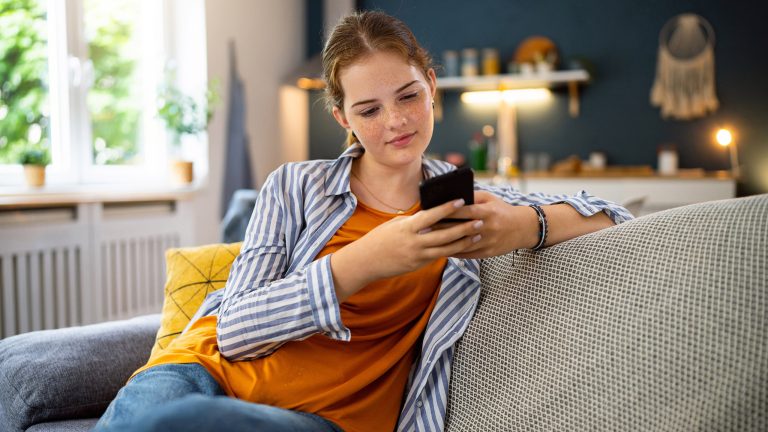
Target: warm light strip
510, 96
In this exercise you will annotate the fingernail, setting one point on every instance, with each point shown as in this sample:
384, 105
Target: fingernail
424, 230
458, 203
476, 238
478, 224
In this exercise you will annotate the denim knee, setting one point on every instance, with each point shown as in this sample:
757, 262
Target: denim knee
215, 413
153, 388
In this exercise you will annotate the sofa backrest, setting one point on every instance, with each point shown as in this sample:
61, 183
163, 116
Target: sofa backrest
656, 324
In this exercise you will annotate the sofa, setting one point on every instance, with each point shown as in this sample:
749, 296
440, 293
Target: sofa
655, 324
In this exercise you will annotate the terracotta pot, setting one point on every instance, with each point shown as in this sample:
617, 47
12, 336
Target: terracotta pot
182, 172
35, 175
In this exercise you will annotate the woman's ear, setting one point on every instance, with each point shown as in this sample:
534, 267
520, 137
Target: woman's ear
432, 80
340, 117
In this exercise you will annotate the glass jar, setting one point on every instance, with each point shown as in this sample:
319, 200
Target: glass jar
667, 165
469, 62
491, 65
450, 63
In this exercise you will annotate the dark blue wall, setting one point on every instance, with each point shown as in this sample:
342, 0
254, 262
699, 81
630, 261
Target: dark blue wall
620, 39
313, 20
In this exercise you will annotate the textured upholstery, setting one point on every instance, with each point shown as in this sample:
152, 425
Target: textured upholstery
657, 324
83, 425
69, 373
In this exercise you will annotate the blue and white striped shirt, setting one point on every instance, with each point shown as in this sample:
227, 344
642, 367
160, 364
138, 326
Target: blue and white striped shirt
277, 292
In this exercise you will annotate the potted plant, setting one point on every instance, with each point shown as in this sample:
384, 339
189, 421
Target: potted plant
183, 115
34, 160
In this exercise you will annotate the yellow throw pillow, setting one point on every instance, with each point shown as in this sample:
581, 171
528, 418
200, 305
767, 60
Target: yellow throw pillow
191, 274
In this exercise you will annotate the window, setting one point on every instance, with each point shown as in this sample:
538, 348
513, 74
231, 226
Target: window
81, 79
23, 72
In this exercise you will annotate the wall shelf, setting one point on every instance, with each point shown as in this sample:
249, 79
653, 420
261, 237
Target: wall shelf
506, 127
552, 79
514, 81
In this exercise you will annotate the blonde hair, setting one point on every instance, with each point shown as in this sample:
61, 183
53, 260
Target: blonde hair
359, 34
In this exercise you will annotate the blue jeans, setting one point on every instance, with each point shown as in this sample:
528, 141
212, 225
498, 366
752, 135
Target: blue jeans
185, 397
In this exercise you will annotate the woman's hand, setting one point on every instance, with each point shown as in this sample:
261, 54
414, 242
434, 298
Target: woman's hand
401, 245
505, 227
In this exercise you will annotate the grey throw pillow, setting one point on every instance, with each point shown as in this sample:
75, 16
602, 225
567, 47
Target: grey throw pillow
70, 373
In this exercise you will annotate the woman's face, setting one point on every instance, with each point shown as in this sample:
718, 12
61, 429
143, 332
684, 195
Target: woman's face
388, 105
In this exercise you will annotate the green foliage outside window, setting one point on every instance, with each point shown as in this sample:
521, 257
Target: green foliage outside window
114, 100
23, 86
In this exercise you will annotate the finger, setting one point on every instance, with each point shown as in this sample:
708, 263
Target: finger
474, 248
451, 234
444, 225
455, 247
474, 211
427, 218
477, 249
478, 210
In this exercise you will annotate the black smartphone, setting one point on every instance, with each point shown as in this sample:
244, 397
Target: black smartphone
448, 187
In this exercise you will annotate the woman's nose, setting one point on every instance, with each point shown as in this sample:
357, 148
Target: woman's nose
396, 118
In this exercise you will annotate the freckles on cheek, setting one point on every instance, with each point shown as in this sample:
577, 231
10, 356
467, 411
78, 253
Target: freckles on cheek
367, 131
419, 112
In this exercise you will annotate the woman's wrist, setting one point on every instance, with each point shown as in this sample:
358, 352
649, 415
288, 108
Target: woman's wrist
541, 217
529, 228
347, 272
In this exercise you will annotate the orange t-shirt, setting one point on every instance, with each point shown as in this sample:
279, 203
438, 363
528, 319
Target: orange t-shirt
359, 385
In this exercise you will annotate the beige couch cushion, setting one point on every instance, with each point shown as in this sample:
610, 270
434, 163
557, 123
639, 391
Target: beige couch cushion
656, 324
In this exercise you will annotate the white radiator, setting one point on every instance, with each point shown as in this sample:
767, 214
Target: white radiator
85, 263
40, 289
132, 275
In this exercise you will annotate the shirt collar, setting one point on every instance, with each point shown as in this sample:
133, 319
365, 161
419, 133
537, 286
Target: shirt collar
337, 177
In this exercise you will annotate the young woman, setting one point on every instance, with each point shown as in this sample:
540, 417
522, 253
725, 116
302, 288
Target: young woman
342, 310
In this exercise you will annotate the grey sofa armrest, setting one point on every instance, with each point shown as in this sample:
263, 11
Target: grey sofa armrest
72, 372
659, 323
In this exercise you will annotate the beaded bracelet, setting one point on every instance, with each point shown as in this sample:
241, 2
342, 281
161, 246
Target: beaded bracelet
542, 226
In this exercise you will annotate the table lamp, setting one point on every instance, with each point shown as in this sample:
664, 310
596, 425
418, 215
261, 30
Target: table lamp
724, 137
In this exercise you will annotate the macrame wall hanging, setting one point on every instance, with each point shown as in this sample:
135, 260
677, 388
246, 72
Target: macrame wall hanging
685, 73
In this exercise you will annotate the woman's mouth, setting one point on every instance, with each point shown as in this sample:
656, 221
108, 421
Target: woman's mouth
402, 140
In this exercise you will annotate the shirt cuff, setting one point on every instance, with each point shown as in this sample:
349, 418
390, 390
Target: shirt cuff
323, 301
588, 205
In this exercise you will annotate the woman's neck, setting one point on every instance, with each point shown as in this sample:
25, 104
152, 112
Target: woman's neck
373, 173
386, 188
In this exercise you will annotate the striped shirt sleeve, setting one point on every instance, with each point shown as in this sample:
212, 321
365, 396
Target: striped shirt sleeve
262, 306
582, 202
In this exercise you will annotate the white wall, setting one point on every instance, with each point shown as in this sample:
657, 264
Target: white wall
269, 39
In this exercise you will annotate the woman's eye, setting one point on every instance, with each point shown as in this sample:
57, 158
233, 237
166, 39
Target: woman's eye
410, 96
369, 112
